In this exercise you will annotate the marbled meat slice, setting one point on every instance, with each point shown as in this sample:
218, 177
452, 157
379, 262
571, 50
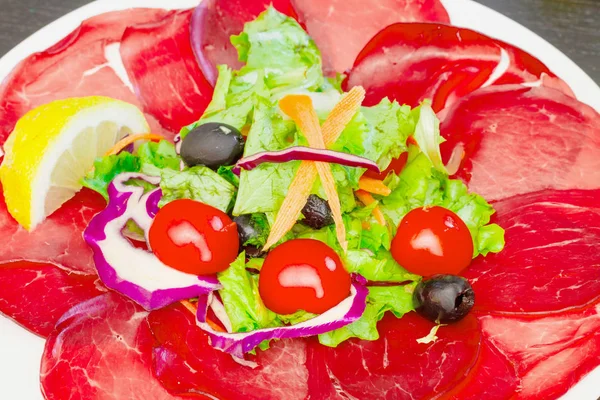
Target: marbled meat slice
185, 363
398, 367
551, 260
74, 67
411, 62
213, 24
36, 295
161, 65
58, 240
341, 28
101, 349
519, 140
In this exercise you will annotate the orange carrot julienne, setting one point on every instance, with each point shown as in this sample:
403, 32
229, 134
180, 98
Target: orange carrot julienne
342, 114
367, 199
126, 141
374, 186
300, 109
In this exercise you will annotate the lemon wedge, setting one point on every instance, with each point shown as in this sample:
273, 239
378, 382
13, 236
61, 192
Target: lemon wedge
52, 148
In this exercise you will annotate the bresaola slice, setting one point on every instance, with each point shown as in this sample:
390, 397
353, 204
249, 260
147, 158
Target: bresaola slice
162, 67
398, 367
551, 260
76, 66
520, 140
411, 62
341, 28
37, 295
186, 364
58, 240
215, 21
101, 349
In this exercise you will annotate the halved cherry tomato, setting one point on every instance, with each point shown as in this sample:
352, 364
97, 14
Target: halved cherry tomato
303, 274
194, 237
397, 165
432, 240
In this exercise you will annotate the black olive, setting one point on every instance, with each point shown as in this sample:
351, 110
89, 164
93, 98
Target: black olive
212, 144
444, 298
317, 213
248, 230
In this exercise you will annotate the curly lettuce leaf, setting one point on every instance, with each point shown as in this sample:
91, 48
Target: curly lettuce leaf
381, 299
155, 157
107, 168
241, 298
198, 183
421, 184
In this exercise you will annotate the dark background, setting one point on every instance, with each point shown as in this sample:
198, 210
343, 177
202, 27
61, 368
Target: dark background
571, 25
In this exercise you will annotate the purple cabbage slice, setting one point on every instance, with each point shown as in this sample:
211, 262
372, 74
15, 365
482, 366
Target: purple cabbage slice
305, 154
137, 273
238, 344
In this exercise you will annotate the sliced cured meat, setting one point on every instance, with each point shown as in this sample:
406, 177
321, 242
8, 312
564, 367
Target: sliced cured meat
185, 363
37, 295
551, 260
58, 240
519, 140
101, 349
341, 28
215, 21
413, 62
550, 353
74, 67
161, 65
398, 367
493, 377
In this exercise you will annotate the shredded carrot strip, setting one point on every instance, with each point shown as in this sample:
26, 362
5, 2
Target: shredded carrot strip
300, 109
121, 144
294, 202
366, 225
193, 308
367, 199
374, 186
342, 114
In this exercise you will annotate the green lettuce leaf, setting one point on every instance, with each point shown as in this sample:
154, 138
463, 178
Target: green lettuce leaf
381, 299
421, 184
241, 299
379, 267
107, 168
155, 157
197, 183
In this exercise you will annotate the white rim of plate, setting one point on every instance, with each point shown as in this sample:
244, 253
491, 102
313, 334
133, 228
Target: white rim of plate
463, 13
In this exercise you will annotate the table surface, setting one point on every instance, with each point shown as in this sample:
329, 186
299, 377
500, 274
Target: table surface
570, 25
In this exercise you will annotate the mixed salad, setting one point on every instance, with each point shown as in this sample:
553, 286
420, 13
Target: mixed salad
287, 210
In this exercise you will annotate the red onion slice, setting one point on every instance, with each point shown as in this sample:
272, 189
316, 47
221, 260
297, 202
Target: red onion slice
238, 344
134, 272
305, 154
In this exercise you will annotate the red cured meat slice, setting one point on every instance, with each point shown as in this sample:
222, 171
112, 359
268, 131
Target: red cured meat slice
551, 353
74, 67
58, 240
159, 60
341, 28
413, 62
398, 367
37, 295
185, 363
215, 21
520, 140
551, 260
493, 377
101, 349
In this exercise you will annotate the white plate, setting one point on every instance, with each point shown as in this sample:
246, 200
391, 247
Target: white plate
20, 352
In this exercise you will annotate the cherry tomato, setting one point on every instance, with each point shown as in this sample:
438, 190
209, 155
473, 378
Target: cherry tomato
303, 274
432, 240
397, 165
194, 237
